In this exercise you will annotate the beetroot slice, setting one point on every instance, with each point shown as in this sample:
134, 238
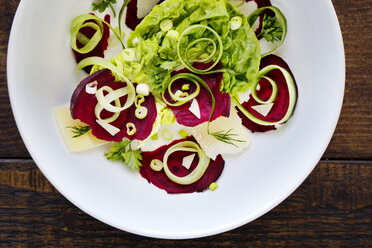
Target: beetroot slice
281, 102
160, 179
131, 19
99, 49
222, 107
83, 105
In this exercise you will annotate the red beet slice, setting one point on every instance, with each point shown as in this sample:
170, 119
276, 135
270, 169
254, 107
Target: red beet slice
281, 102
99, 49
222, 107
160, 179
83, 105
131, 19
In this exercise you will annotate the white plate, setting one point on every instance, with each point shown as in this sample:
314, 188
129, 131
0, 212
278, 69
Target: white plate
41, 76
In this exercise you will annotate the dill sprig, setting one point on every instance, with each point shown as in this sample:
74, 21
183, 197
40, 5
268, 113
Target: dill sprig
79, 130
103, 5
227, 137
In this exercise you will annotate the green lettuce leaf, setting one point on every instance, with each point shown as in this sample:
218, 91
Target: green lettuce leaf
156, 52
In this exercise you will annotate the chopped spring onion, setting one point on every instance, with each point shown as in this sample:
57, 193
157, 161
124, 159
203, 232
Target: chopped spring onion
91, 88
197, 173
143, 89
166, 134
181, 94
292, 96
141, 112
178, 99
183, 134
185, 87
155, 137
281, 18
82, 21
156, 165
138, 100
235, 22
166, 25
213, 186
131, 128
167, 117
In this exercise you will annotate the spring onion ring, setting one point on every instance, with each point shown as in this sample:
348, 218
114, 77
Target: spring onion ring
235, 22
156, 165
131, 128
138, 100
141, 112
166, 134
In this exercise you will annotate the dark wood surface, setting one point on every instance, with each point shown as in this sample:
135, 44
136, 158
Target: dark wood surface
332, 208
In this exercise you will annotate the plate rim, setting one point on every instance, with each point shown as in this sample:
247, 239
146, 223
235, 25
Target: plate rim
163, 235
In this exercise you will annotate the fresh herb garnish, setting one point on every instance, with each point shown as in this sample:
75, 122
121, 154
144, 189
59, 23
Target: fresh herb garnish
227, 137
79, 130
103, 5
122, 151
271, 29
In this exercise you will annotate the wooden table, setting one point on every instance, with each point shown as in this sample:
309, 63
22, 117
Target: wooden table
332, 208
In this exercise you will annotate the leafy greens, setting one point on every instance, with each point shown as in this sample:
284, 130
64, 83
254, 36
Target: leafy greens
122, 151
271, 29
156, 50
103, 5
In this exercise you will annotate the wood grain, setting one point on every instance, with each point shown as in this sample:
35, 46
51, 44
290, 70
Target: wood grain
353, 136
331, 209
